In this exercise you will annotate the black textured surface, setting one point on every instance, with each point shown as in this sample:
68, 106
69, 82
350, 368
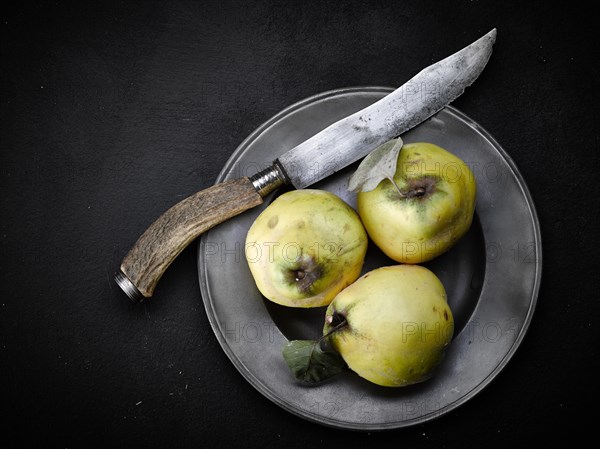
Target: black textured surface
113, 111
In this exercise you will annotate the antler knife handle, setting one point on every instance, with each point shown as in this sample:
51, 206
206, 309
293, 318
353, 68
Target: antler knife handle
175, 229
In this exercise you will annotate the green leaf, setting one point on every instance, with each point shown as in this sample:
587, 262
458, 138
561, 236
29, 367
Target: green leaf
311, 363
377, 166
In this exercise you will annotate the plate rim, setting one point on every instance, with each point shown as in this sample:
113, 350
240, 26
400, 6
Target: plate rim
256, 382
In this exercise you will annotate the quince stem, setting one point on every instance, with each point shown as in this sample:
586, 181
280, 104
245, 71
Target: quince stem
337, 327
400, 192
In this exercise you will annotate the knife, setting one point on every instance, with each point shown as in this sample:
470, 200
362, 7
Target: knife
328, 151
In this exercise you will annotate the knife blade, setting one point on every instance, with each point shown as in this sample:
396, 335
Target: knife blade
328, 151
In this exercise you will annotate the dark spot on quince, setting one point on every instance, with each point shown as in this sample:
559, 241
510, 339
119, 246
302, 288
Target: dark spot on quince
273, 221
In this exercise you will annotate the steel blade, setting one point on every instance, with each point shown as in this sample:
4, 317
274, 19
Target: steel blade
353, 137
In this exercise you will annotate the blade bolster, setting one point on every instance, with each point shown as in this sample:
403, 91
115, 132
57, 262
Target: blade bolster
268, 179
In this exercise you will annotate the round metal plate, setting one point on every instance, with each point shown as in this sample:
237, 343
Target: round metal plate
492, 277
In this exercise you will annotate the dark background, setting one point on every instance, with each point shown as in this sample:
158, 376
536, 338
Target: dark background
113, 111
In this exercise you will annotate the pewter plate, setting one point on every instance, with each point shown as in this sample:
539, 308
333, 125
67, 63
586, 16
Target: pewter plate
491, 276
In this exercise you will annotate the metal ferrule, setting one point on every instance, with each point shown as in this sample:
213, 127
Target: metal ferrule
268, 180
128, 287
